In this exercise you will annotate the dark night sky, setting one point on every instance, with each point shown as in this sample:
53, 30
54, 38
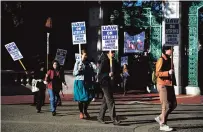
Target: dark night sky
30, 36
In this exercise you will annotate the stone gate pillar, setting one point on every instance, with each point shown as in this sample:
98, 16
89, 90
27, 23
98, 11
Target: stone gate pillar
192, 87
172, 10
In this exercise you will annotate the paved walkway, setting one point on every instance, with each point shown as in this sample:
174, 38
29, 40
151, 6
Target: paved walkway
135, 118
129, 98
136, 111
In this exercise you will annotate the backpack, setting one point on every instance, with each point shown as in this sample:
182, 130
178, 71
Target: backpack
154, 77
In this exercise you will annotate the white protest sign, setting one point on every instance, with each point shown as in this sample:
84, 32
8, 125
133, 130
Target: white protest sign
14, 51
78, 33
124, 60
172, 36
61, 56
77, 56
109, 37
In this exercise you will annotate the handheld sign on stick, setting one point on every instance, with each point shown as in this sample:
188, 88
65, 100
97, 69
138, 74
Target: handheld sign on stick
61, 56
15, 53
172, 34
79, 34
110, 40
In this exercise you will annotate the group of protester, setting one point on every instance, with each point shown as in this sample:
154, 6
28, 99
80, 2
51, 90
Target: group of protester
104, 75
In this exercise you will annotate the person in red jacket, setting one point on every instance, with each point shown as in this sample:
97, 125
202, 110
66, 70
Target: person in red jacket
54, 79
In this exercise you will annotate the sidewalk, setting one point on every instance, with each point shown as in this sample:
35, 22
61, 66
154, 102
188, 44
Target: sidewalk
134, 118
130, 98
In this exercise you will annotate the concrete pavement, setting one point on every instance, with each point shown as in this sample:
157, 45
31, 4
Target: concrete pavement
135, 118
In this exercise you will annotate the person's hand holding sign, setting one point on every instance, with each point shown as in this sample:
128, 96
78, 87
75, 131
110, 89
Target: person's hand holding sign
111, 74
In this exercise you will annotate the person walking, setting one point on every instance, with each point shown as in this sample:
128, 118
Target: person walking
107, 76
83, 84
165, 82
125, 76
98, 89
54, 80
40, 95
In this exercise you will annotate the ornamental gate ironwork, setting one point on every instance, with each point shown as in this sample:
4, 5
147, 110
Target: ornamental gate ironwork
149, 18
193, 43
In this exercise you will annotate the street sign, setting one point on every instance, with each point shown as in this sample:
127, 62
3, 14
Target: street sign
14, 51
124, 60
172, 35
109, 37
78, 33
77, 56
61, 56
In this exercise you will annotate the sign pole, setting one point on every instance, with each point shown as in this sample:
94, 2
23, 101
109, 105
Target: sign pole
111, 68
47, 51
23, 66
172, 63
111, 65
80, 52
172, 57
48, 24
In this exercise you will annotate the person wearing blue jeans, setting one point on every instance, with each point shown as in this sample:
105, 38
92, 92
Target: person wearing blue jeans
53, 99
54, 79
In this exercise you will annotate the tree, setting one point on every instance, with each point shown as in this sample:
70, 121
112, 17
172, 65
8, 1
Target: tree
14, 10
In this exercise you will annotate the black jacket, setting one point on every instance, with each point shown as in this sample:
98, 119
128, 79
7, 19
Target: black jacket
104, 69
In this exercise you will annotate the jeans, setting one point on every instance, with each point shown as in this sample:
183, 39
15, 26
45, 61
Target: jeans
53, 99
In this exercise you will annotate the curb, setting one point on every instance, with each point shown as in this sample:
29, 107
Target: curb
147, 103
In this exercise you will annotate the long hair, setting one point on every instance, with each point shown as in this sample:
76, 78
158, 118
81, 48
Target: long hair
58, 65
125, 69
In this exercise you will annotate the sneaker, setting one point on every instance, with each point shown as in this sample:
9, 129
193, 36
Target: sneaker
81, 116
38, 111
166, 128
53, 113
116, 122
93, 99
157, 119
59, 104
148, 90
101, 121
87, 115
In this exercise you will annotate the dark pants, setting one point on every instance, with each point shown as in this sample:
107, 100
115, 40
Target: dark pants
83, 106
40, 98
40, 95
58, 98
125, 88
168, 101
98, 90
108, 101
35, 97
